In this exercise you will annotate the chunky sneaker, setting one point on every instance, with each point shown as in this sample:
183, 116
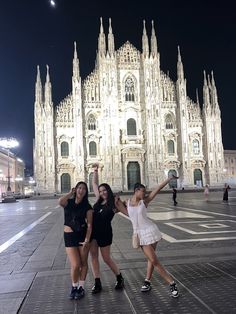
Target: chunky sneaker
79, 294
72, 293
119, 283
146, 286
97, 287
174, 290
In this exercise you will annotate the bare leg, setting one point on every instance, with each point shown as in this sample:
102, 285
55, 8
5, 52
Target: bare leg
150, 266
150, 254
105, 251
94, 253
84, 262
75, 263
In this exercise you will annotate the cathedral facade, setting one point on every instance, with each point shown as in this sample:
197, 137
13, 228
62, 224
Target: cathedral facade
132, 119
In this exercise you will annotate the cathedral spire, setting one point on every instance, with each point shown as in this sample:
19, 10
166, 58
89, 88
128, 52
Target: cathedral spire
101, 40
206, 92
153, 42
214, 92
76, 73
111, 44
197, 98
180, 68
48, 89
145, 41
38, 87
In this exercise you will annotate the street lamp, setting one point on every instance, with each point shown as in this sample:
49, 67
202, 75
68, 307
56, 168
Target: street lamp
8, 143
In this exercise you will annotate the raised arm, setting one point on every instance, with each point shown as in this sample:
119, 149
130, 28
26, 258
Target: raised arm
120, 206
151, 195
95, 181
64, 199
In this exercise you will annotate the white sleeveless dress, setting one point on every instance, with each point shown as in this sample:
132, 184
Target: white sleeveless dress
147, 230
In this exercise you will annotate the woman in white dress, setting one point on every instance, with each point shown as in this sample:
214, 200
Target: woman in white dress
147, 231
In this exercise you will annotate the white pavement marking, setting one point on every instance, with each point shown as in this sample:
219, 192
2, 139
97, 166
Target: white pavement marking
174, 215
197, 232
204, 211
130, 303
20, 234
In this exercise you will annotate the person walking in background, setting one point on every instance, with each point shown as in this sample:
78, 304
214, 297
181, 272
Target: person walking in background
226, 193
148, 233
206, 192
174, 196
78, 216
101, 239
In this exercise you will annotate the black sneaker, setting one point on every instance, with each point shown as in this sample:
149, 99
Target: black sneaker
146, 286
79, 294
174, 290
119, 283
72, 293
97, 287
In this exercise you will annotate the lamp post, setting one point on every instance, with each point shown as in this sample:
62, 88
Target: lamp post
8, 143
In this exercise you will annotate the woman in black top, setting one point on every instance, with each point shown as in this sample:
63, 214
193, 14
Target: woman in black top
78, 216
104, 210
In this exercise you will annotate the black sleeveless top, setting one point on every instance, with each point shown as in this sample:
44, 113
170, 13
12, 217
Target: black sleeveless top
75, 215
102, 217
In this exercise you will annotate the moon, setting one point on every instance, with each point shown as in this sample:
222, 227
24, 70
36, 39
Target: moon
52, 3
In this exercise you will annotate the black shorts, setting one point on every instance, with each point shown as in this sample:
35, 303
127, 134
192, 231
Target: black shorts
73, 239
103, 239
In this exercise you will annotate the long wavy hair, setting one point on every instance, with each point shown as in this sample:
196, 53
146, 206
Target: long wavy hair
85, 201
110, 196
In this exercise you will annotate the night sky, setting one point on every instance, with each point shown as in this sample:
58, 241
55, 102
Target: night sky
32, 33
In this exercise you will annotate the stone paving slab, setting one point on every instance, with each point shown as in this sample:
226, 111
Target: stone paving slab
204, 288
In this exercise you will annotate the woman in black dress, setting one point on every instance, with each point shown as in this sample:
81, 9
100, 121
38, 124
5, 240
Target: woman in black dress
104, 211
78, 215
226, 194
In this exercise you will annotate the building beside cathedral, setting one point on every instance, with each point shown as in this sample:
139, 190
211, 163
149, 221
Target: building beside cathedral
132, 119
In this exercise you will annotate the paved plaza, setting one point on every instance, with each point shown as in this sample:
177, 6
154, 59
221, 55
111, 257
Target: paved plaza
198, 249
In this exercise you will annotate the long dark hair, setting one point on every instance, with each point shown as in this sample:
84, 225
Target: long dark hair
110, 197
85, 201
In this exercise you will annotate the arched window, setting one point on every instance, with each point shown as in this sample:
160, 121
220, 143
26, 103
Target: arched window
92, 149
129, 89
131, 127
91, 122
169, 122
64, 149
65, 183
196, 147
171, 147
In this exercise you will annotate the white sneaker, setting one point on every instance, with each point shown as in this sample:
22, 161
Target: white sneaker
174, 290
146, 286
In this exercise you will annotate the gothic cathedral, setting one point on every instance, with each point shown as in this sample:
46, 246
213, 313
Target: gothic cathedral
132, 119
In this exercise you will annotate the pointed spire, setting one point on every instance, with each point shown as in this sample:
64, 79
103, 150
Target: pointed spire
48, 89
38, 87
145, 41
197, 98
76, 73
214, 91
206, 92
154, 49
111, 44
180, 68
101, 40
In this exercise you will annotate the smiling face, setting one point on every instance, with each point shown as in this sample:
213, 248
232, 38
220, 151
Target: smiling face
80, 191
103, 193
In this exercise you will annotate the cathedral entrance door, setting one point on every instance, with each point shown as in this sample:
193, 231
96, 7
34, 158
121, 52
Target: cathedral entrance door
133, 174
198, 177
65, 183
